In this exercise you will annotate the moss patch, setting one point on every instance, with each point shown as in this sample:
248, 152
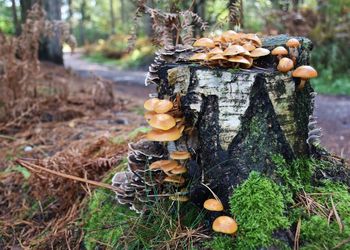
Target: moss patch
258, 205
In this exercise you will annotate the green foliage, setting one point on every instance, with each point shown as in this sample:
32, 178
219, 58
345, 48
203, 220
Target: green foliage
220, 243
258, 205
316, 232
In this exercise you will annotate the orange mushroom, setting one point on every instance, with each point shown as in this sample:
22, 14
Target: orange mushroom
225, 224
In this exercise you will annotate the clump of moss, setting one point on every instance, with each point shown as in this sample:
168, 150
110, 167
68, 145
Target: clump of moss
220, 243
258, 205
316, 231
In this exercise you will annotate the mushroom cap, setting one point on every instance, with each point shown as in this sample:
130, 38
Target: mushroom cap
225, 224
253, 37
248, 46
179, 198
293, 43
150, 104
163, 106
169, 166
213, 205
180, 155
162, 121
217, 57
215, 51
179, 170
204, 42
148, 115
219, 39
239, 59
234, 50
279, 51
160, 163
250, 62
258, 52
285, 65
198, 57
172, 134
229, 35
178, 179
305, 72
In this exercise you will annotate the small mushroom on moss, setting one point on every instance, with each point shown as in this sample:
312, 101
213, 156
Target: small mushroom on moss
293, 45
180, 155
150, 104
285, 65
172, 134
204, 42
279, 52
304, 73
162, 121
225, 224
213, 205
163, 106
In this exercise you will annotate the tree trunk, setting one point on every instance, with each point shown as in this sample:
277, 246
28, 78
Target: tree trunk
240, 118
25, 6
15, 19
70, 15
51, 48
111, 9
82, 22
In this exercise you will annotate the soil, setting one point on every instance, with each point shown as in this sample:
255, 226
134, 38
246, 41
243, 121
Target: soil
333, 112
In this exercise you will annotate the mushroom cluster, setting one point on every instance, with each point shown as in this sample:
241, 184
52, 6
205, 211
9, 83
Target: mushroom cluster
286, 64
167, 122
230, 50
222, 224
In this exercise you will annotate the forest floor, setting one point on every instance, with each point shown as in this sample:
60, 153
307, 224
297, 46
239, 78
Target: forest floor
333, 112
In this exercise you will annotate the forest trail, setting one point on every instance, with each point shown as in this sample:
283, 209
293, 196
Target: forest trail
332, 112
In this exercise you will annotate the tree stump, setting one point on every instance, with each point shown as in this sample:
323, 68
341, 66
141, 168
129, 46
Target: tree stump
240, 118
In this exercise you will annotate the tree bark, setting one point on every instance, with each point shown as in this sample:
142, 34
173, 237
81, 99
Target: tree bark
111, 9
15, 18
82, 22
240, 118
50, 47
25, 6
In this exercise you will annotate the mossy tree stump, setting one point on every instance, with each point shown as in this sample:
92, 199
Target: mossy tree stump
241, 118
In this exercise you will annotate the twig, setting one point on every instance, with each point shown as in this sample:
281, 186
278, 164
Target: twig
297, 235
7, 137
342, 243
35, 167
337, 217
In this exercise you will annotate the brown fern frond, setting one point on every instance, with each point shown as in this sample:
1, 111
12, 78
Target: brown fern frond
235, 12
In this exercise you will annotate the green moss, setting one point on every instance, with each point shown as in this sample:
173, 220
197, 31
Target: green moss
258, 205
220, 243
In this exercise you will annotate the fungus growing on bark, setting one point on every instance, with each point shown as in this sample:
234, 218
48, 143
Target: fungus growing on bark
239, 59
162, 121
279, 52
225, 224
150, 104
304, 73
160, 163
204, 42
229, 35
234, 50
163, 106
285, 65
160, 135
177, 179
198, 57
258, 52
148, 115
293, 45
215, 51
248, 46
179, 170
213, 205
180, 155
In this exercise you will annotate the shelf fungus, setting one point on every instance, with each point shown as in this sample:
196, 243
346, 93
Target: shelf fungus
304, 73
225, 224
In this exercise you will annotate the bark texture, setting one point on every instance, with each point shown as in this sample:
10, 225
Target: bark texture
240, 118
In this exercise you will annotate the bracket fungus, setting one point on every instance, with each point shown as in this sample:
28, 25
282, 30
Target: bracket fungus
225, 224
213, 205
285, 65
304, 72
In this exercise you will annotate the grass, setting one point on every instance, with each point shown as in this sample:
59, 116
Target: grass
340, 85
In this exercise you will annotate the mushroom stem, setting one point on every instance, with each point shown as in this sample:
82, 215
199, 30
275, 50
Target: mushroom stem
302, 84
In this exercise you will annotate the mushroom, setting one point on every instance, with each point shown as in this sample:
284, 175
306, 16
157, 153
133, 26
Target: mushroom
258, 52
160, 163
162, 121
229, 35
213, 205
198, 57
285, 65
180, 155
160, 135
253, 37
215, 51
150, 104
304, 72
293, 45
179, 198
175, 179
279, 52
148, 115
179, 170
218, 58
204, 42
239, 59
163, 106
248, 46
225, 224
234, 50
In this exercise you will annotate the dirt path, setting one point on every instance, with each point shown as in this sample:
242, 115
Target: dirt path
333, 112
